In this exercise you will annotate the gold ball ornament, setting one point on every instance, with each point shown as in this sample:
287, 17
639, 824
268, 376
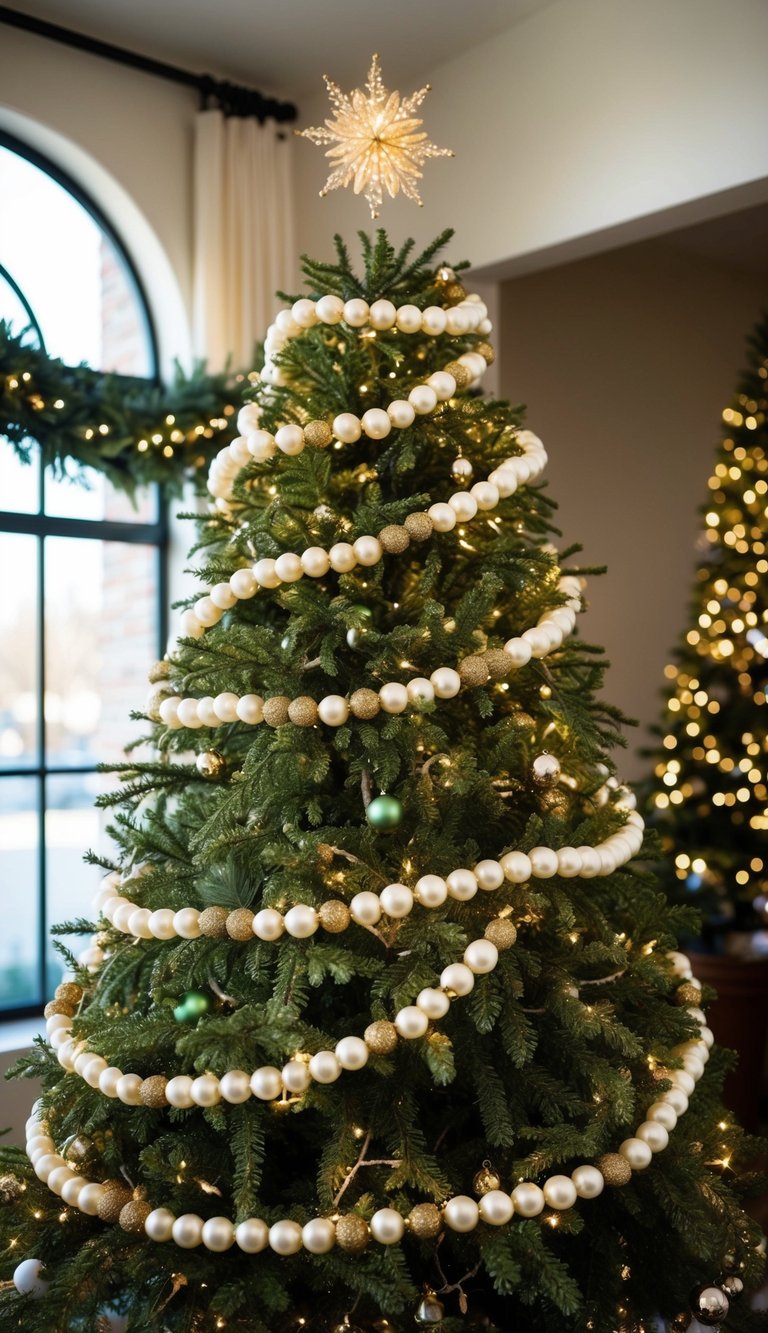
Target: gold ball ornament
276, 710
318, 434
352, 1233
394, 539
501, 932
365, 703
210, 765
159, 671
58, 1007
615, 1169
660, 1074
419, 527
381, 1037
455, 292
240, 924
152, 1091
460, 373
116, 1194
486, 1180
302, 711
554, 802
430, 1311
486, 352
324, 854
69, 992
461, 469
473, 671
498, 662
80, 1149
213, 923
11, 1188
334, 916
545, 770
445, 274
688, 995
425, 1221
134, 1215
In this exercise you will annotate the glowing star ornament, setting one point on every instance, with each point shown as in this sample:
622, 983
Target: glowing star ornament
376, 142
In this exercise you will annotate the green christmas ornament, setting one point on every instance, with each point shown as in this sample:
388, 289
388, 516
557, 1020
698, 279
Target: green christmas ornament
384, 812
192, 1005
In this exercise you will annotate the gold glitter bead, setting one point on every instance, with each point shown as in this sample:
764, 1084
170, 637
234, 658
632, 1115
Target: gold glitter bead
318, 434
134, 1215
660, 1074
461, 374
276, 710
615, 1169
455, 292
418, 526
365, 703
302, 711
113, 1200
352, 1233
425, 1220
210, 765
11, 1188
69, 992
688, 995
240, 924
394, 539
152, 1091
486, 1180
501, 932
58, 1007
498, 662
555, 802
381, 1037
160, 671
213, 923
334, 916
523, 720
473, 671
324, 853
486, 352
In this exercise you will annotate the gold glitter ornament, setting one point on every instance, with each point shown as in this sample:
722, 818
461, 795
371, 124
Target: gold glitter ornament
375, 141
240, 924
460, 373
486, 352
152, 1091
425, 1220
334, 916
688, 995
501, 932
455, 292
318, 434
276, 710
324, 853
554, 802
418, 526
486, 1180
159, 671
615, 1169
213, 923
394, 539
210, 765
116, 1194
380, 1037
302, 711
498, 663
473, 670
365, 703
134, 1215
69, 992
58, 1007
352, 1233
11, 1188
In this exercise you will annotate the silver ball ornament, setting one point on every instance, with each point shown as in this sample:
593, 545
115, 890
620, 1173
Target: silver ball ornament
710, 1304
545, 770
430, 1311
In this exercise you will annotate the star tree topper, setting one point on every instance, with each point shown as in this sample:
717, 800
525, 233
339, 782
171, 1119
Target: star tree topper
376, 141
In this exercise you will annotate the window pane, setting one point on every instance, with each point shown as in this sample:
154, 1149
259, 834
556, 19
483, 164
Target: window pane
19, 482
19, 842
91, 496
101, 638
18, 650
72, 827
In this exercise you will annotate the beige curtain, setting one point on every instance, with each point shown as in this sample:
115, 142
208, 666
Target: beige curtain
244, 243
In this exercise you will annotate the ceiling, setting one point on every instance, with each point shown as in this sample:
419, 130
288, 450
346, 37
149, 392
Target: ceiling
284, 46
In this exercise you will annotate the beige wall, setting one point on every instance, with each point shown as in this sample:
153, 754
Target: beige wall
625, 362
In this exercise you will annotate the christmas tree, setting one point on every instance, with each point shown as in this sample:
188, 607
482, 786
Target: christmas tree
709, 796
382, 1026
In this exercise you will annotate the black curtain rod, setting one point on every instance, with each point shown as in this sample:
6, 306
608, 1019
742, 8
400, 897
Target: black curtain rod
231, 98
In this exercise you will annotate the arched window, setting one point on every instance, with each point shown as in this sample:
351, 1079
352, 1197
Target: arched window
82, 572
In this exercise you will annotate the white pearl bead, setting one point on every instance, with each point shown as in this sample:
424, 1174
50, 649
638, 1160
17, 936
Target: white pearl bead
654, 1134
431, 891
266, 1083
72, 1189
457, 978
588, 1181
411, 1022
707, 1036
315, 562
376, 423
288, 567
89, 1198
250, 709
325, 1067
637, 1153
261, 445
434, 1003
120, 916
46, 1163
129, 1089
39, 1143
537, 640
268, 924
356, 312
225, 706
187, 1231
248, 418
265, 573
677, 1099
408, 319
304, 313
333, 710
462, 885
161, 923
352, 1053
108, 1080
58, 1178
159, 1224
383, 315
423, 399
443, 517
489, 875
387, 1226
481, 956
443, 384
461, 1213
186, 923
207, 612
319, 1234
60, 1021
446, 682
346, 427
243, 584
82, 1060
187, 713
401, 413
590, 862
394, 697
474, 362
206, 1090
365, 908
190, 625
663, 1114
433, 320
138, 923
457, 320
285, 1237
568, 862
296, 1076
252, 1236
367, 550
301, 921
218, 1234
517, 867
287, 324
420, 690
519, 651
681, 966
235, 1086
463, 505
559, 1192
543, 862
342, 557
178, 1092
528, 1199
330, 309
680, 1079
496, 1208
396, 900
485, 494
93, 1070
